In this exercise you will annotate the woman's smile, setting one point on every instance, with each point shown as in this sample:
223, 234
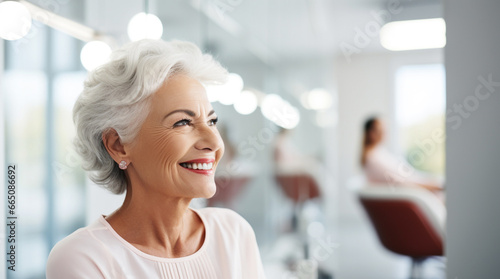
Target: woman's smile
204, 166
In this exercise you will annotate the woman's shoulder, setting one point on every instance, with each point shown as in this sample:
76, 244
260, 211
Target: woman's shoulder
76, 239
81, 238
75, 253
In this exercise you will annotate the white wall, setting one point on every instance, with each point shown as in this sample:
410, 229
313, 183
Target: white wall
365, 88
472, 148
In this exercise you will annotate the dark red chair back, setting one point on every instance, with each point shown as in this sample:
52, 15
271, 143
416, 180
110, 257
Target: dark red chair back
298, 187
403, 228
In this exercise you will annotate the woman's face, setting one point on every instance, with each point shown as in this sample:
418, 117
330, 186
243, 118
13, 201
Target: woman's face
378, 132
178, 146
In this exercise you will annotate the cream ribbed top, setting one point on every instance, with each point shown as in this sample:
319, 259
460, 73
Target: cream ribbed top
97, 251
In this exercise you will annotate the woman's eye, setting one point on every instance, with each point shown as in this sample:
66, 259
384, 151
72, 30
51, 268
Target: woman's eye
183, 122
213, 122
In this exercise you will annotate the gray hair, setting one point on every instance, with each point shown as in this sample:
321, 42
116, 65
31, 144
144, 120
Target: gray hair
117, 95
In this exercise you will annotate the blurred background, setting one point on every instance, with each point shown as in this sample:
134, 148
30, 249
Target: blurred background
305, 75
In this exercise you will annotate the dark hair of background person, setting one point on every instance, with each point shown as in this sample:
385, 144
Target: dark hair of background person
368, 141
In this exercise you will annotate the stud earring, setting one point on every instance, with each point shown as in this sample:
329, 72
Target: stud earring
123, 165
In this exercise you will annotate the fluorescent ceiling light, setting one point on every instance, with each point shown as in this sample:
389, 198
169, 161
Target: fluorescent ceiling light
413, 34
60, 23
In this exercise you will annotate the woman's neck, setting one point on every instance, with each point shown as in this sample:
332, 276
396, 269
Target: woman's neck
158, 225
367, 149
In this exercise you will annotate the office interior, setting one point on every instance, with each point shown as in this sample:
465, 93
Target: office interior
315, 68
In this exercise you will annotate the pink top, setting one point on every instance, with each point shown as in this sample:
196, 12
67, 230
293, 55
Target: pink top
384, 168
97, 251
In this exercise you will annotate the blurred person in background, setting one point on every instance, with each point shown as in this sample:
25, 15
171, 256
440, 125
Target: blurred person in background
384, 168
145, 127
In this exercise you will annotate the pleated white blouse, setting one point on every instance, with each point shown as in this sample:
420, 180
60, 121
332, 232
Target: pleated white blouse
97, 251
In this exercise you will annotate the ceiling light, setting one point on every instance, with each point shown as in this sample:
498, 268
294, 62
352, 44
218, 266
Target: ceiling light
144, 26
280, 112
15, 20
73, 28
94, 54
246, 102
213, 92
414, 34
229, 90
316, 99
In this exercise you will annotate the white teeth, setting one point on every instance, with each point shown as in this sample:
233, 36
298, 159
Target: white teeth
198, 166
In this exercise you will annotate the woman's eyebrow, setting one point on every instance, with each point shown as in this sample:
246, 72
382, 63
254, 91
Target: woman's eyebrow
186, 111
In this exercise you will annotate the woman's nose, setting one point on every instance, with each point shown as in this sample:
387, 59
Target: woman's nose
210, 139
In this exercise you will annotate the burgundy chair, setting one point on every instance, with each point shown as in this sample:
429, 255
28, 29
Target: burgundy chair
409, 221
299, 187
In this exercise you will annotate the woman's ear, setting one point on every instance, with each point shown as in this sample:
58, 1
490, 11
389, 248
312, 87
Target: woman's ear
113, 145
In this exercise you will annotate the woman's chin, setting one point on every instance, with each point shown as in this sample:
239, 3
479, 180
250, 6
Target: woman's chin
209, 191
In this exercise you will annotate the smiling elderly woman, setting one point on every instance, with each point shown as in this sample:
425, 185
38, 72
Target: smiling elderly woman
145, 127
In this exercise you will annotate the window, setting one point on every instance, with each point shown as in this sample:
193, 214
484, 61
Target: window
420, 113
37, 97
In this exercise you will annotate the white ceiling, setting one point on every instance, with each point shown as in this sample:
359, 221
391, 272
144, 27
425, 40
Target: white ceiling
279, 30
270, 31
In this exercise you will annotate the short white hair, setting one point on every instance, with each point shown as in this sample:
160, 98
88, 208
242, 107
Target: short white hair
117, 95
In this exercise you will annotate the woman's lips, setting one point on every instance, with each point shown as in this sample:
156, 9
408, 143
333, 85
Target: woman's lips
200, 166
